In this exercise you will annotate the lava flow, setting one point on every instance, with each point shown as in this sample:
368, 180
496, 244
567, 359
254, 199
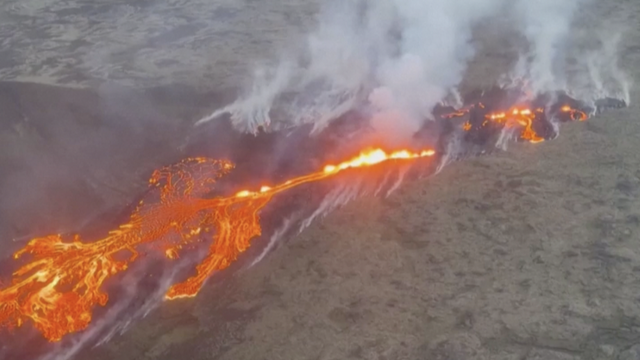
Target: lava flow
58, 289
522, 117
518, 117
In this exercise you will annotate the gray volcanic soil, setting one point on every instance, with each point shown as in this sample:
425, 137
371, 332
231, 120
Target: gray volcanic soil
209, 44
529, 254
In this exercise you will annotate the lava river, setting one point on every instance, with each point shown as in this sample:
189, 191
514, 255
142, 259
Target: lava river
62, 282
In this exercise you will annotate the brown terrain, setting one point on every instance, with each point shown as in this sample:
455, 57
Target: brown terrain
528, 254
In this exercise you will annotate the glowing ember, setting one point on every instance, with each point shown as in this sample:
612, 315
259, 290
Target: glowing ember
575, 114
58, 289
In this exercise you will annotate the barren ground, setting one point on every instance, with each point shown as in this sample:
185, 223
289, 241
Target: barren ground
529, 254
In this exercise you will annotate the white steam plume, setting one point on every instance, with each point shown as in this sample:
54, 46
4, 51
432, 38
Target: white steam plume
274, 238
399, 58
435, 47
403, 56
546, 24
603, 76
557, 36
338, 197
319, 84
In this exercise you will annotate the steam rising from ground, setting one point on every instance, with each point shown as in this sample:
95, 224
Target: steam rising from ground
129, 308
546, 25
397, 59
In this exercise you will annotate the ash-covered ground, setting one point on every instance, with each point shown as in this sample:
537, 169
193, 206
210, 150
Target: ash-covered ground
145, 43
529, 254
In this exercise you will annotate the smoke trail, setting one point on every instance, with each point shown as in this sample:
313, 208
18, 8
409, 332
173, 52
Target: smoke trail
604, 78
126, 310
546, 24
338, 197
317, 85
397, 59
274, 238
401, 57
435, 47
555, 41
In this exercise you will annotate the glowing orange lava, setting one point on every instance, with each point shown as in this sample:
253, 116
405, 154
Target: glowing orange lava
575, 114
58, 289
518, 116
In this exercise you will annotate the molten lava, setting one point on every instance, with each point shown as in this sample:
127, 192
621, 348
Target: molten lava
63, 281
58, 289
516, 117
574, 113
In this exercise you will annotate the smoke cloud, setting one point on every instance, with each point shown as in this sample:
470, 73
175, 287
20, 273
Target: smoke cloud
546, 24
397, 59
